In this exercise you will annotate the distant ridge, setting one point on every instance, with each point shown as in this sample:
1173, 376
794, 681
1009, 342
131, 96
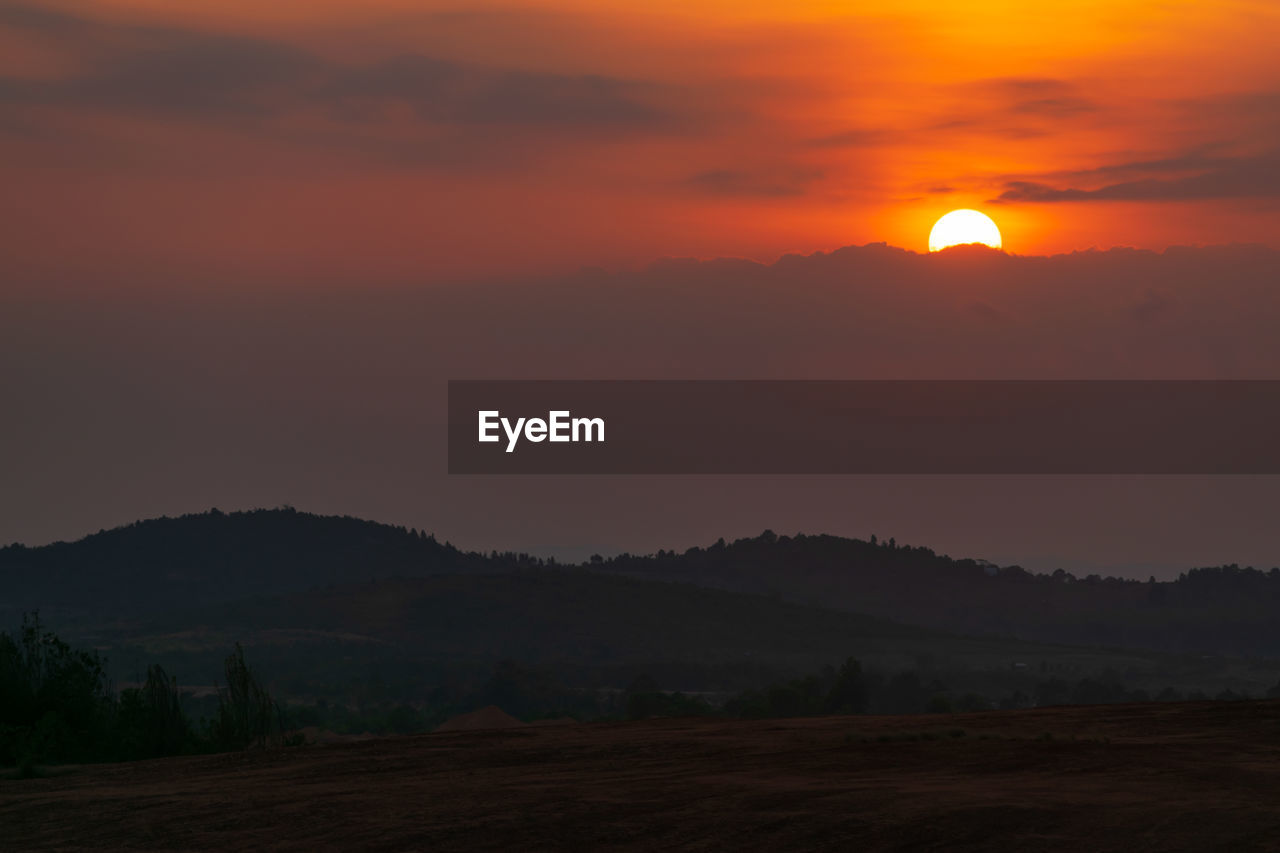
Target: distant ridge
1223, 609
171, 565
214, 556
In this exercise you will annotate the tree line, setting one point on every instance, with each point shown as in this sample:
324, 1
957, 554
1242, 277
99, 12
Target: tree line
57, 705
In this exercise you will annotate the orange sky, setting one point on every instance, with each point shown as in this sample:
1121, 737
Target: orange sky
396, 140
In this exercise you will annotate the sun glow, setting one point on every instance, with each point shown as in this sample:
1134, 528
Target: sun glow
964, 226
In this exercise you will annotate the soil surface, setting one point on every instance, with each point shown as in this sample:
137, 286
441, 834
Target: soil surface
1193, 776
489, 717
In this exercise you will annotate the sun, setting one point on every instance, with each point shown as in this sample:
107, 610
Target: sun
964, 226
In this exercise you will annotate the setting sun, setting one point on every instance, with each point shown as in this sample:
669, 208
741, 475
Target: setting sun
964, 226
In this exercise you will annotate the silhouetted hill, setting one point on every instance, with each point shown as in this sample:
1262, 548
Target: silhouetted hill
1227, 609
192, 562
165, 563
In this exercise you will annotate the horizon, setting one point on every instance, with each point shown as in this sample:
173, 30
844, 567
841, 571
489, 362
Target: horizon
159, 400
581, 555
162, 397
605, 286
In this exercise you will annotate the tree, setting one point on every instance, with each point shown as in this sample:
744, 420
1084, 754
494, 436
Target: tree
643, 697
55, 701
938, 704
848, 695
150, 721
247, 715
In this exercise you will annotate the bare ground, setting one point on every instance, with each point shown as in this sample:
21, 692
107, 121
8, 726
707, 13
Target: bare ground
1196, 776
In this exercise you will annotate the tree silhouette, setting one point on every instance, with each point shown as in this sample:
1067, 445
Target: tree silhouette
247, 715
849, 693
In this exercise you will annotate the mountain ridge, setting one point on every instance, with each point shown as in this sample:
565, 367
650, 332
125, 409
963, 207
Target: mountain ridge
167, 564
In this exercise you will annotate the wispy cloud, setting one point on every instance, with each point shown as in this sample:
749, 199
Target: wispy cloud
1213, 178
762, 184
160, 72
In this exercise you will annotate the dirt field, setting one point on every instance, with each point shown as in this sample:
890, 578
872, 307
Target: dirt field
1202, 776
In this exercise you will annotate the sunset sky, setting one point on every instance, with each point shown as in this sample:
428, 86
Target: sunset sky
388, 140
243, 247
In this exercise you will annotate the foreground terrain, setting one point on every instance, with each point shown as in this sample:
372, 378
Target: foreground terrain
1194, 776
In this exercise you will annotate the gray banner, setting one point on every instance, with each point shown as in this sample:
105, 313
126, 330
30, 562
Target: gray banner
864, 427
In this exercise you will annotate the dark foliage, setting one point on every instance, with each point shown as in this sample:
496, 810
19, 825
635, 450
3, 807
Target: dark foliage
150, 720
247, 715
1226, 609
908, 693
398, 631
55, 702
157, 566
57, 706
833, 691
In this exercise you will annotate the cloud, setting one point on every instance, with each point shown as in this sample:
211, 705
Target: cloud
1217, 178
1056, 107
769, 184
1025, 86
178, 75
856, 138
1007, 108
39, 18
1241, 163
162, 72
1017, 109
453, 92
1044, 96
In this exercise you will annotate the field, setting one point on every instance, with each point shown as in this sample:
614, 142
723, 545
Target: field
1192, 776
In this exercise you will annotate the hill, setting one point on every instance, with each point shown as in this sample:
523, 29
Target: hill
163, 563
173, 565
1220, 610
